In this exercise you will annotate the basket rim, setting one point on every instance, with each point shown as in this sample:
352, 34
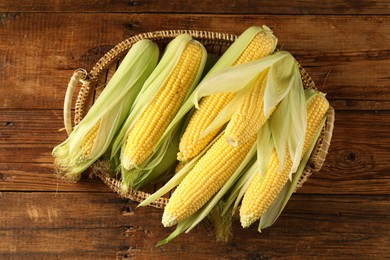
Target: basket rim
119, 49
88, 80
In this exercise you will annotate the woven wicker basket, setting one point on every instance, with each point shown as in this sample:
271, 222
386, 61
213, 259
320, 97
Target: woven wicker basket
215, 43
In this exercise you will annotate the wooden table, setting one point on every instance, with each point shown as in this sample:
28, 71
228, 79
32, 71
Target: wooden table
342, 212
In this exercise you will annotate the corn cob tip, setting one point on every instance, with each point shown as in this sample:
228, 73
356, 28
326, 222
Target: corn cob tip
180, 157
168, 220
246, 220
266, 28
127, 163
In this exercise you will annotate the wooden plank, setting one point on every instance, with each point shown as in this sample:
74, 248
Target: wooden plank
357, 161
61, 244
28, 153
31, 126
41, 177
192, 6
41, 225
56, 229
358, 146
347, 54
354, 105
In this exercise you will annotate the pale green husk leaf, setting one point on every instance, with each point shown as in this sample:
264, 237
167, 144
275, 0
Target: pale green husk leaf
232, 54
111, 107
140, 175
237, 77
279, 81
226, 114
265, 147
288, 122
180, 228
272, 214
228, 58
240, 78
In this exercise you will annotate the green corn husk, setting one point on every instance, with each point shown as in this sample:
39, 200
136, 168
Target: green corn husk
221, 209
243, 75
188, 224
263, 155
272, 214
236, 186
284, 83
235, 190
227, 60
169, 159
141, 176
288, 124
159, 172
109, 111
282, 76
283, 90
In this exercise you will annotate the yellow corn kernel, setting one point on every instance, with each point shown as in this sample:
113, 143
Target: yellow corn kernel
209, 107
262, 192
178, 167
89, 140
191, 144
260, 46
204, 180
249, 117
153, 122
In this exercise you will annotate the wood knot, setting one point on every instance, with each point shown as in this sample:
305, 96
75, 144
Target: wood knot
127, 211
95, 53
351, 156
134, 3
132, 231
2, 177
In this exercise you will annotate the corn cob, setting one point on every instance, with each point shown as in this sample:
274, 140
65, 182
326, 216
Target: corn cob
205, 179
89, 140
262, 44
150, 126
249, 117
262, 191
93, 135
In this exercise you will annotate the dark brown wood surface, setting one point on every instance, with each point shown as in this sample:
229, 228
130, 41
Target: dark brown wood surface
342, 212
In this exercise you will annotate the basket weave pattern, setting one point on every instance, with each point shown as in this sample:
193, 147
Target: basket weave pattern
215, 43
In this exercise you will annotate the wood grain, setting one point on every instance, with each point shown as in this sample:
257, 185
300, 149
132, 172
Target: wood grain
358, 146
41, 177
224, 6
35, 66
41, 225
24, 126
357, 162
342, 212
